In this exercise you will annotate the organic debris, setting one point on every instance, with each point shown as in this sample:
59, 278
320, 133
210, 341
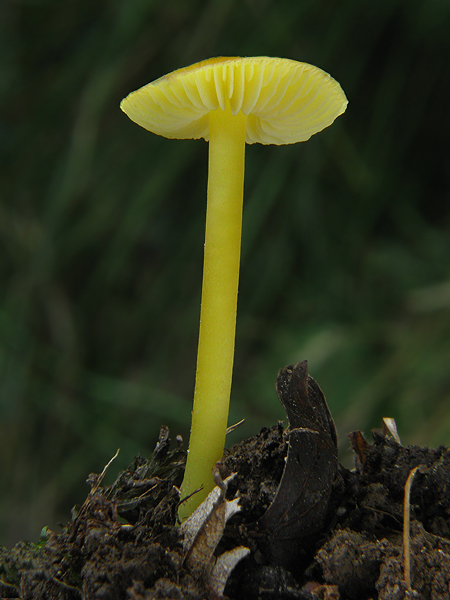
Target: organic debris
203, 531
125, 542
300, 509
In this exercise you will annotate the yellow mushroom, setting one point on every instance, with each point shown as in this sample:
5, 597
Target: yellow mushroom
228, 102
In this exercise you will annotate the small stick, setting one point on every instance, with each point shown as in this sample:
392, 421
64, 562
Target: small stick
103, 473
235, 426
95, 485
406, 530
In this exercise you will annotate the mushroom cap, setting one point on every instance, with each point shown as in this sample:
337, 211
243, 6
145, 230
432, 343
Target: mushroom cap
285, 101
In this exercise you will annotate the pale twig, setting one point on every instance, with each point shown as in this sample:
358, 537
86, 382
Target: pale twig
103, 473
235, 426
406, 530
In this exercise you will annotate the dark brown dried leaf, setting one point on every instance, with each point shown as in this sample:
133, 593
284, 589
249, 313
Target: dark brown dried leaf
299, 511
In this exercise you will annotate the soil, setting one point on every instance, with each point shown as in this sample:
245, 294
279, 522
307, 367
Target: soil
124, 541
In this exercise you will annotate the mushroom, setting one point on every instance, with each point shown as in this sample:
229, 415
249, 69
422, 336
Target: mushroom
228, 101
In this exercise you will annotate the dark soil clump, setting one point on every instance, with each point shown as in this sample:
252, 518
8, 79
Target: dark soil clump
124, 541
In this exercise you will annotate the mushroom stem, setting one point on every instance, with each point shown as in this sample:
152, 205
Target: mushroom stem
219, 303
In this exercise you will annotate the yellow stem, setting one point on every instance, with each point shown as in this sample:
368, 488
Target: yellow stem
219, 303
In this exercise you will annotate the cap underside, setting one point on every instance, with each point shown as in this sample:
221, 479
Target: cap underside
286, 101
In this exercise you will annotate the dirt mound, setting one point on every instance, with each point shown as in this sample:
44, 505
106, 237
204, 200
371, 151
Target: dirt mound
343, 529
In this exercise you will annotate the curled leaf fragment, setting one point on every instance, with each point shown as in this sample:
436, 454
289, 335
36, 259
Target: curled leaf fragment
202, 532
224, 565
390, 426
300, 508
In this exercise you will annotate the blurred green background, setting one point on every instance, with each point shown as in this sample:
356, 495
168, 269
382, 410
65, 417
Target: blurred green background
346, 241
